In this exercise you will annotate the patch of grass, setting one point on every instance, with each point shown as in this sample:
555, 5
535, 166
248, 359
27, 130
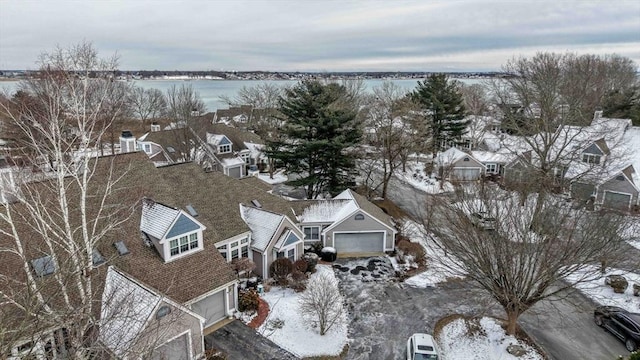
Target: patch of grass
342, 355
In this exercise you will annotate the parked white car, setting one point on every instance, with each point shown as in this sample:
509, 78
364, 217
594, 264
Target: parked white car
421, 347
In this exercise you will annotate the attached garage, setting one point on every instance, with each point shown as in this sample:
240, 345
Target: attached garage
177, 349
617, 200
465, 174
212, 308
362, 242
235, 172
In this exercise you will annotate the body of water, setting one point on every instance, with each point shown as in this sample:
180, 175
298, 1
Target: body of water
211, 90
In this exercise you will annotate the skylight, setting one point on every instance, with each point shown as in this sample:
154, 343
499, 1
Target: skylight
171, 149
44, 266
97, 258
256, 203
192, 211
121, 247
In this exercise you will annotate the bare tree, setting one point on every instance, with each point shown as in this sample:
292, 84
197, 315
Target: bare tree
147, 104
475, 99
185, 109
48, 235
388, 132
543, 103
322, 301
488, 236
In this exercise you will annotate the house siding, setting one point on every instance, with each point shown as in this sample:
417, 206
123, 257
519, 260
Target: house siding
582, 191
471, 164
159, 331
619, 186
368, 224
269, 251
257, 259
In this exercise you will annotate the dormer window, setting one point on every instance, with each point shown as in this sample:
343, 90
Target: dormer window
590, 158
223, 149
183, 244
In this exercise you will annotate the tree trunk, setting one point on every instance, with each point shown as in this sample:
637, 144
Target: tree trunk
512, 321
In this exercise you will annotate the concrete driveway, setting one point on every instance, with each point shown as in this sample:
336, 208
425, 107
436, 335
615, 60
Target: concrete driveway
241, 342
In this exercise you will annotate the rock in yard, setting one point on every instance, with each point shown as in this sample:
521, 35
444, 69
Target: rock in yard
617, 282
516, 350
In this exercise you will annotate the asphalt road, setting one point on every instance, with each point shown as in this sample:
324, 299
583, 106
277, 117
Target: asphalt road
563, 327
240, 342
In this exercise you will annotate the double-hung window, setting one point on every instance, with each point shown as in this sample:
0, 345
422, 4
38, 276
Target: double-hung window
223, 149
235, 250
183, 244
591, 158
491, 168
311, 233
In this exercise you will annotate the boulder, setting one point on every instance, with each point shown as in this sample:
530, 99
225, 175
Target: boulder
617, 282
636, 289
516, 350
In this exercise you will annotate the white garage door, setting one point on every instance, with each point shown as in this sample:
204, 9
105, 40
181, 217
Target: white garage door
211, 308
616, 200
176, 349
359, 242
465, 174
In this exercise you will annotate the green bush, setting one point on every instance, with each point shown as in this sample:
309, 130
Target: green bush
248, 300
280, 270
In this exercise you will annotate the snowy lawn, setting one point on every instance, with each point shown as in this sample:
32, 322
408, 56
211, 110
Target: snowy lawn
482, 339
439, 267
416, 177
632, 232
278, 177
290, 330
604, 295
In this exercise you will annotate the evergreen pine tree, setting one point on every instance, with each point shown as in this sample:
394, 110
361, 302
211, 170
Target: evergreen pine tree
443, 105
319, 127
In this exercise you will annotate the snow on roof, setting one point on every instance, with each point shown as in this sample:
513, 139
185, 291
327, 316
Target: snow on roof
345, 195
450, 156
226, 162
126, 306
631, 144
491, 157
328, 210
214, 139
263, 225
157, 218
255, 149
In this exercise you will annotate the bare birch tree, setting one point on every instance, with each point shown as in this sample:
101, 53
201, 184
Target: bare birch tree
322, 301
48, 235
488, 236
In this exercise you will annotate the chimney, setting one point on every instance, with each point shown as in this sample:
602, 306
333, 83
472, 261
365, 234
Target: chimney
127, 142
155, 126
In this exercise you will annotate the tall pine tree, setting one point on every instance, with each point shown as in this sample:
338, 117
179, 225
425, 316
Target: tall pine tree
319, 126
443, 106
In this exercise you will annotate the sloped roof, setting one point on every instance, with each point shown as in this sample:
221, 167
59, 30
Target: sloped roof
157, 218
263, 225
126, 306
326, 210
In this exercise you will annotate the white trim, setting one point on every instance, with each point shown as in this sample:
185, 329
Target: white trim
604, 195
167, 247
359, 209
189, 341
163, 239
384, 237
207, 294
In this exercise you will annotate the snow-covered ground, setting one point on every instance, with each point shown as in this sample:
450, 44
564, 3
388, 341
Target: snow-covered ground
290, 330
458, 342
278, 177
632, 232
603, 294
416, 177
440, 268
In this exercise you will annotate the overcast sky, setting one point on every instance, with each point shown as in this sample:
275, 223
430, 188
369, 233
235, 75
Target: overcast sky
310, 35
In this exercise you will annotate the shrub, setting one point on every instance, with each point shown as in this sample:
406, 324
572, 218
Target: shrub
298, 281
410, 249
617, 282
280, 270
312, 261
243, 265
214, 354
300, 265
248, 300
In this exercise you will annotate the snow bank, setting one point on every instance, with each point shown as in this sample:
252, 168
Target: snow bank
602, 294
458, 342
278, 177
416, 177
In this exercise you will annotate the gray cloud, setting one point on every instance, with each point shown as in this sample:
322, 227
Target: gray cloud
318, 35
